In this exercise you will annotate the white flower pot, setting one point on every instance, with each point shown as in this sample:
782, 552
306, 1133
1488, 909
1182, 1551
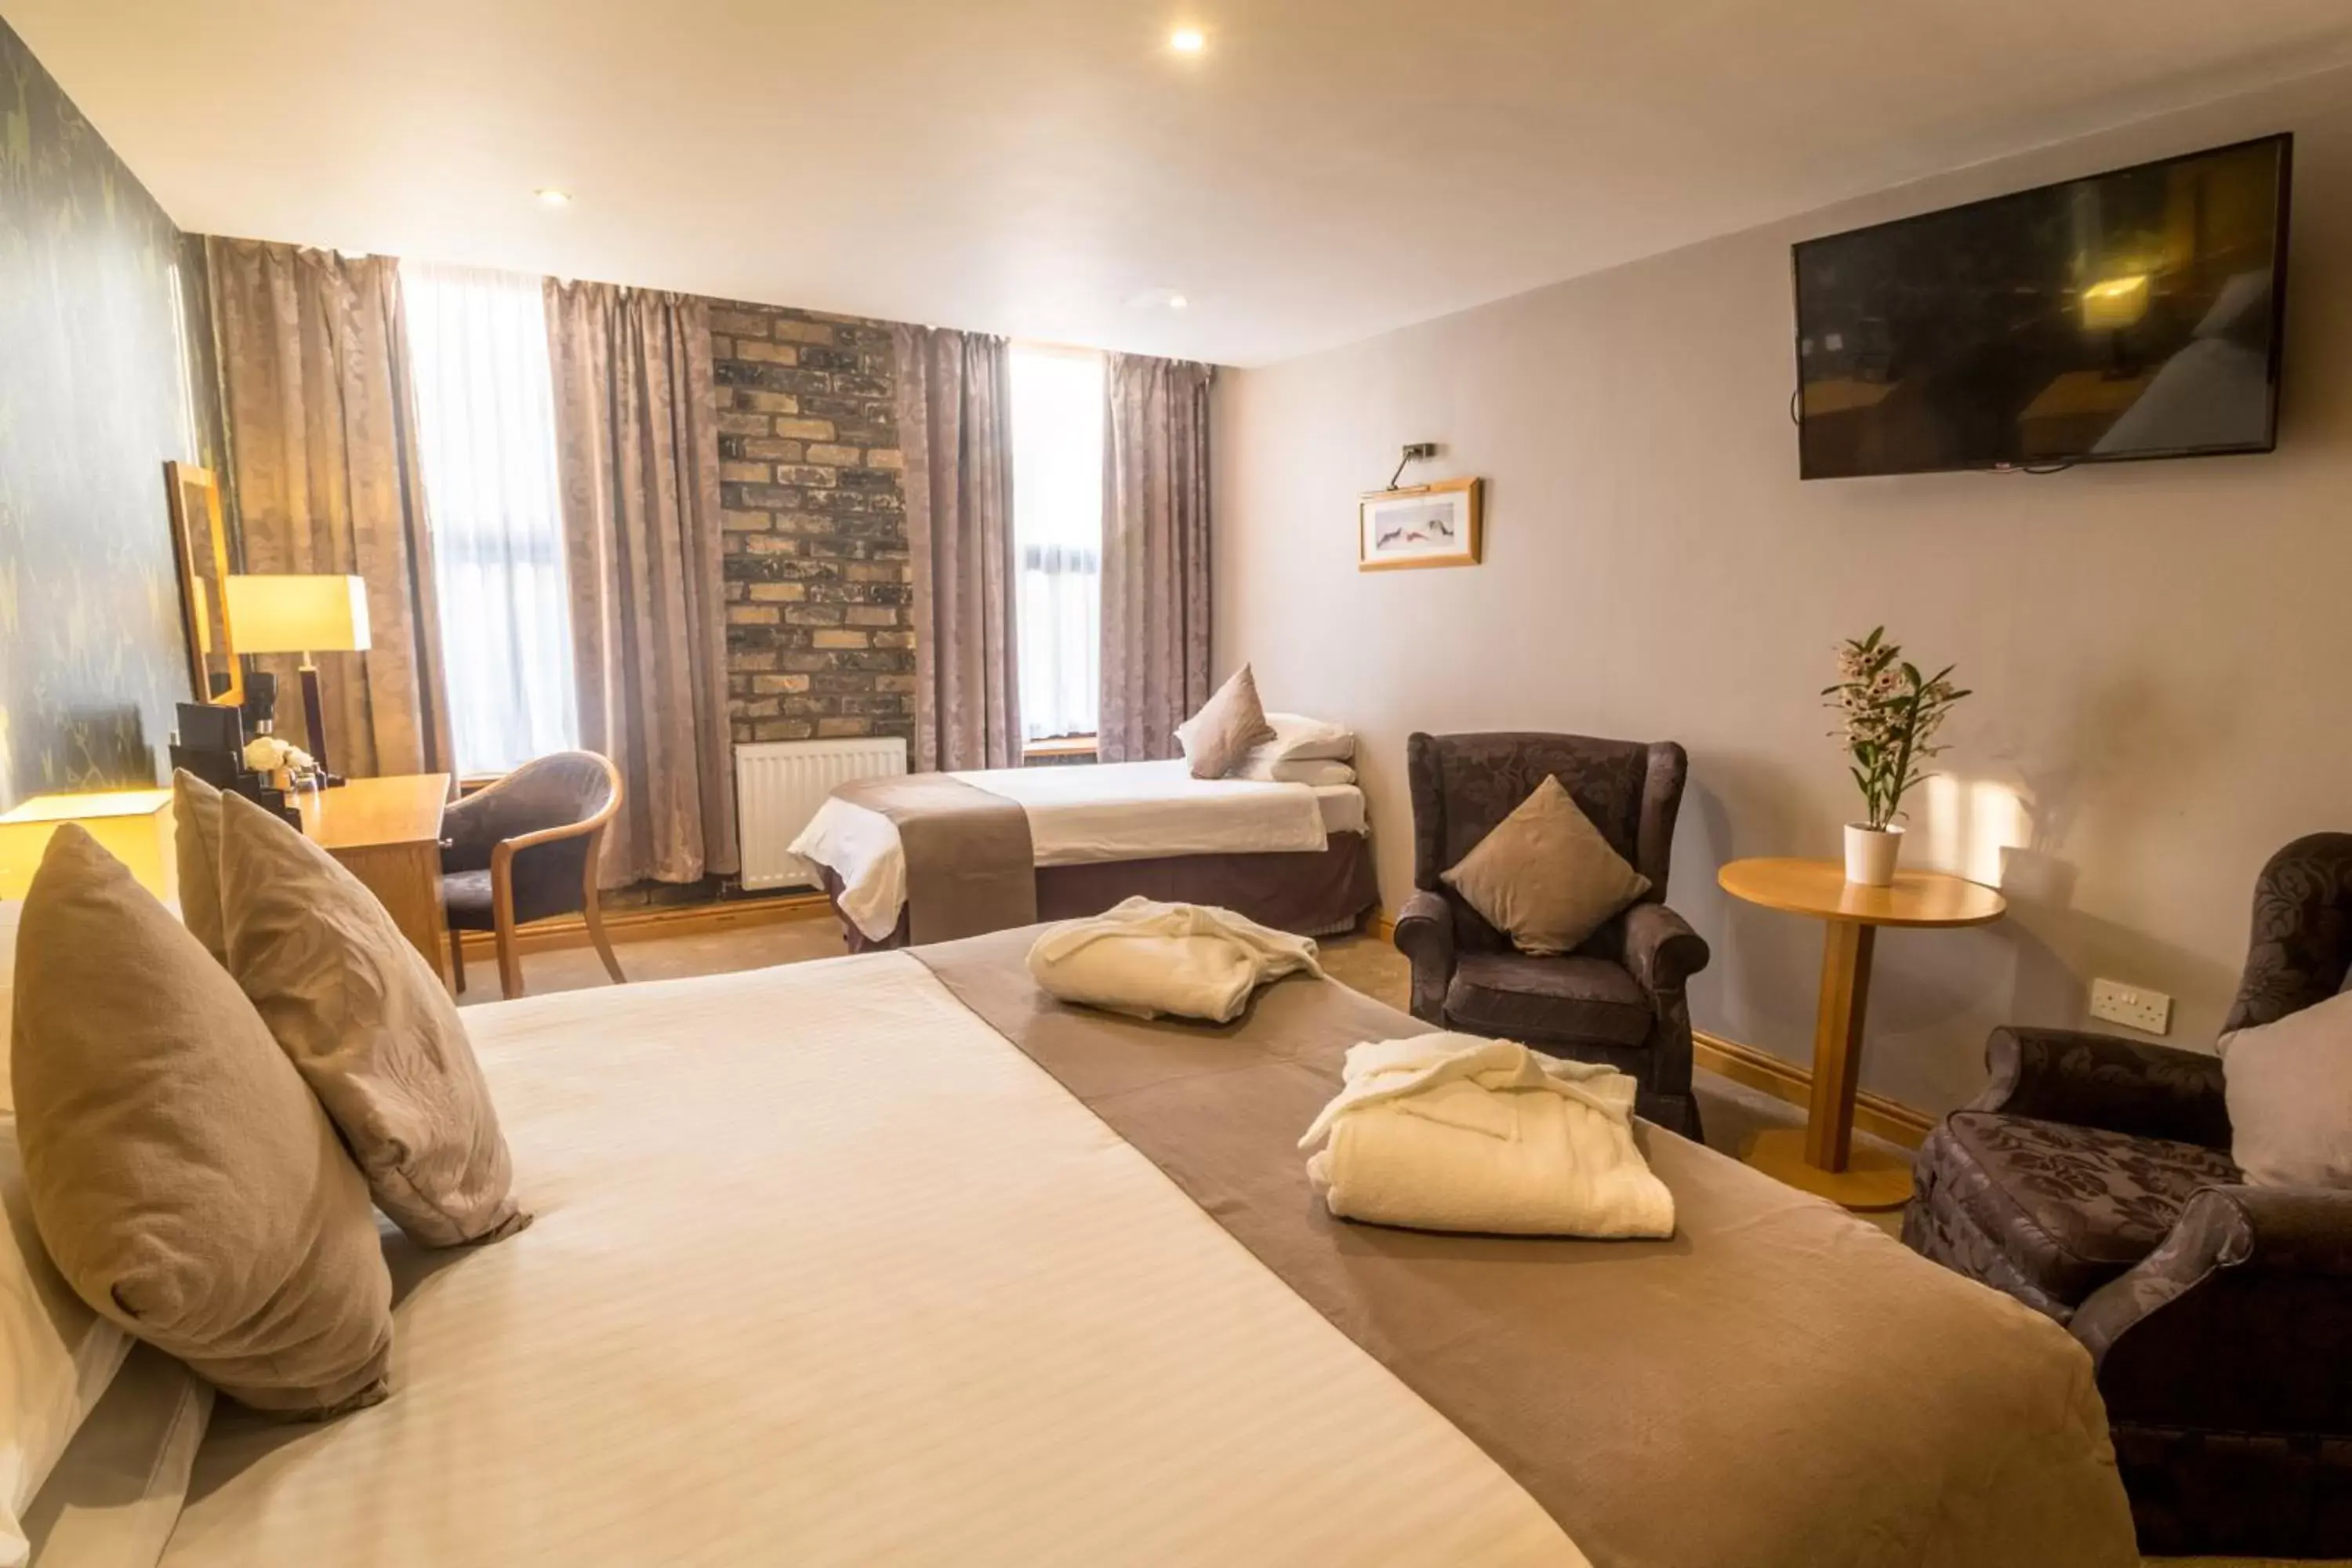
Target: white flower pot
1870, 854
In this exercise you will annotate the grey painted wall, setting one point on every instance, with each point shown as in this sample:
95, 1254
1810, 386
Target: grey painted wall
2158, 650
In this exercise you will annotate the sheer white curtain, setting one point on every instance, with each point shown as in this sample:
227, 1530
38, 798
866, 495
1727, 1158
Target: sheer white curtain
486, 437
1057, 502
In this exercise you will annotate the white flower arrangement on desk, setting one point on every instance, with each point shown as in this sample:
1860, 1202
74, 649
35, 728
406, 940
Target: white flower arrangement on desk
269, 754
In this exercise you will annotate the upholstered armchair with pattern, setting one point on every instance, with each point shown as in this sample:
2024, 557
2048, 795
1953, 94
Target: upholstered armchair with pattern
2092, 1181
525, 849
1619, 998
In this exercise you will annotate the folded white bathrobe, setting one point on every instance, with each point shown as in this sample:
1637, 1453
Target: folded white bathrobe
1455, 1132
1144, 958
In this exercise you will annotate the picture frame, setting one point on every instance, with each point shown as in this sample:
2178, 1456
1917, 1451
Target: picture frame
1439, 524
201, 555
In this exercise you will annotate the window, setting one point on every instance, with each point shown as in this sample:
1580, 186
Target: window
486, 438
1057, 490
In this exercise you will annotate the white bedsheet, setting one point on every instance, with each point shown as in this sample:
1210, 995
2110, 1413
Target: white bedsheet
825, 1271
1082, 816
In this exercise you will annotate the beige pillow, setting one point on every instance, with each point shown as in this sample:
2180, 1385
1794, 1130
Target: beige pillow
367, 1021
1217, 737
195, 842
1545, 876
186, 1184
2288, 1085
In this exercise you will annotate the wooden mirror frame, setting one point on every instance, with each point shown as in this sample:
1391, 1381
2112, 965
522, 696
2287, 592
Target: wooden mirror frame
196, 525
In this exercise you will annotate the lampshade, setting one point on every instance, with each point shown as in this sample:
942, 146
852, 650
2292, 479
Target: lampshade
134, 825
290, 614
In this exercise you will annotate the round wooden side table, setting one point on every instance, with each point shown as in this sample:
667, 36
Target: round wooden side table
1820, 1157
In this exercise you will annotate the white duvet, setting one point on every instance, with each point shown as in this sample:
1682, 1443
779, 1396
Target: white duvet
1081, 815
825, 1271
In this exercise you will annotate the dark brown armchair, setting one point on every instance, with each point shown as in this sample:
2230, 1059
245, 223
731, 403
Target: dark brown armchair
526, 849
2092, 1181
1619, 998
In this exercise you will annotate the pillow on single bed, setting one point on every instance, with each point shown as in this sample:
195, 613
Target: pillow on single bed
57, 1356
1318, 773
370, 1026
1545, 876
186, 1184
1298, 739
1217, 737
2288, 1085
196, 844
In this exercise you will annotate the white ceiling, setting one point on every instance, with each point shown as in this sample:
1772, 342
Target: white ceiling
1326, 169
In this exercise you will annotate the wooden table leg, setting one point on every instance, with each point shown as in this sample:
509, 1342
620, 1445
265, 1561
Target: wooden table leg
1821, 1158
1847, 949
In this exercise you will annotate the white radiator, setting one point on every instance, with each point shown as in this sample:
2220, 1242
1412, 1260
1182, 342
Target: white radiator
779, 784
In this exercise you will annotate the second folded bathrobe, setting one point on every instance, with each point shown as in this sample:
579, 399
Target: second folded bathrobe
1451, 1132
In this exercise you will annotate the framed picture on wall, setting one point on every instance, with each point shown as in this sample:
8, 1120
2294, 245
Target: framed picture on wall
1421, 525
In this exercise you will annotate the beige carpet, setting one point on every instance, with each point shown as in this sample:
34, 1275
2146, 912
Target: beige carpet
1733, 1113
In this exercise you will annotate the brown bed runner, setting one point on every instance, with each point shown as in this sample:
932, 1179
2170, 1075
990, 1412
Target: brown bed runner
968, 863
1778, 1386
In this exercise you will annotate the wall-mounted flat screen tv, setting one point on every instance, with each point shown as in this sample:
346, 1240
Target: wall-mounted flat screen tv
2132, 314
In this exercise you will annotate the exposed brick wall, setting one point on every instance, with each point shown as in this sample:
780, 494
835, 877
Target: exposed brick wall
820, 616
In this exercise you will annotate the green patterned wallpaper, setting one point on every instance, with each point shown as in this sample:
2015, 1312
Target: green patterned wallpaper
94, 397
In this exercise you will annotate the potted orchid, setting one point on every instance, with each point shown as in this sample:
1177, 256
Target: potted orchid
1888, 715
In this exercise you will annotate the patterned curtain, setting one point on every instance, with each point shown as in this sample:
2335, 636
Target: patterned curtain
323, 432
1155, 573
954, 395
637, 430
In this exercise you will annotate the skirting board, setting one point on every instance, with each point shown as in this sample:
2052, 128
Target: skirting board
1783, 1079
1769, 1074
646, 925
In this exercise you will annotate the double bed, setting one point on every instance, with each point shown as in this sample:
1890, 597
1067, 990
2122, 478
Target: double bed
1297, 857
892, 1258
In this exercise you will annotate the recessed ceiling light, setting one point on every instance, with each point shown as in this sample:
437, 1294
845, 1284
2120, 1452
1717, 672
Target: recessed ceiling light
1177, 301
550, 197
1157, 299
1187, 40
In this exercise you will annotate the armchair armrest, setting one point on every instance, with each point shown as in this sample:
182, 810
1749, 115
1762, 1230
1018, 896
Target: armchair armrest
1661, 949
1424, 933
2240, 1320
2105, 1081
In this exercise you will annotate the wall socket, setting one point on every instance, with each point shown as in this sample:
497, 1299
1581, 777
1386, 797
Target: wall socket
2133, 1007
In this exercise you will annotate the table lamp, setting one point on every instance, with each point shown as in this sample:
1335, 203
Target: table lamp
134, 825
305, 614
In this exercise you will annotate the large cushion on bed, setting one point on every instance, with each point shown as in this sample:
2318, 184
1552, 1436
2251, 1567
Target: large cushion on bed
2069, 1208
370, 1026
196, 843
1545, 876
1522, 997
1217, 737
185, 1180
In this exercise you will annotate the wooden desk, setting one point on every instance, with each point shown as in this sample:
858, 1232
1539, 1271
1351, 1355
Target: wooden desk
1821, 1158
387, 833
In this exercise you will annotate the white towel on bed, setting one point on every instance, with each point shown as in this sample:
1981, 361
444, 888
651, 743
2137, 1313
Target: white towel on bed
1145, 958
1455, 1132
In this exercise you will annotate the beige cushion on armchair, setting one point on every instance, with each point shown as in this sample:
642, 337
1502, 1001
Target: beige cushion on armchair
184, 1180
2288, 1085
1545, 876
368, 1023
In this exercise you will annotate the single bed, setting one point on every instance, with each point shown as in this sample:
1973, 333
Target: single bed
890, 1258
1293, 855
